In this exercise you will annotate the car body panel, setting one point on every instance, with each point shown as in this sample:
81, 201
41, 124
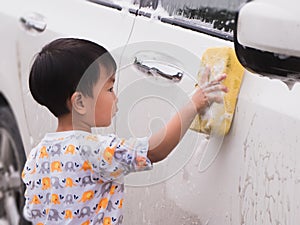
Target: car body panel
253, 180
10, 85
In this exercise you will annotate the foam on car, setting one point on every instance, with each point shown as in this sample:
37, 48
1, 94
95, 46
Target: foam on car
218, 117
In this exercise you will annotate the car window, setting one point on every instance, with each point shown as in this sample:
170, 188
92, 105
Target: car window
130, 5
216, 17
213, 17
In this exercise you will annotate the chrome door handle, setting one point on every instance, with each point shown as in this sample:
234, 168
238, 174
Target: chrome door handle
154, 71
33, 21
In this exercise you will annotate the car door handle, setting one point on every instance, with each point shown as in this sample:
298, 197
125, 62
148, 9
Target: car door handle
34, 21
152, 68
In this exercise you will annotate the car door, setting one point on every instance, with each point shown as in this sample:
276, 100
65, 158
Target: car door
250, 175
40, 22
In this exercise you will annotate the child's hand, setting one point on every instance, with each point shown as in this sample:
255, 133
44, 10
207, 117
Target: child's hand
208, 92
166, 139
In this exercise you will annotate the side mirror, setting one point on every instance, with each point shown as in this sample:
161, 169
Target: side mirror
267, 37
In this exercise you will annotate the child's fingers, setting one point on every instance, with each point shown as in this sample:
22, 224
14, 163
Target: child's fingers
215, 81
220, 78
215, 88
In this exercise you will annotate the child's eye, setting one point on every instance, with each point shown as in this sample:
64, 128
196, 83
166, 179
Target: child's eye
111, 89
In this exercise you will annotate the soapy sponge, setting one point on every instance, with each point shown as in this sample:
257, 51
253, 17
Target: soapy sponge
218, 117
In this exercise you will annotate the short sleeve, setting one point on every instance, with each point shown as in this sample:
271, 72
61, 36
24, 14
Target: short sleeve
116, 157
29, 170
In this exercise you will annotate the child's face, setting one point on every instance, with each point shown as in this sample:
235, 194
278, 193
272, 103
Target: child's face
103, 106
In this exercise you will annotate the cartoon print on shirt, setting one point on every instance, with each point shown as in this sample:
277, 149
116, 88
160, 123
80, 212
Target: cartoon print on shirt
45, 167
120, 203
123, 157
85, 211
31, 185
36, 213
69, 199
64, 195
55, 199
38, 183
70, 149
87, 166
44, 152
99, 219
69, 166
86, 196
120, 220
120, 187
56, 166
46, 183
86, 180
86, 222
55, 182
69, 182
107, 221
34, 169
109, 154
53, 215
68, 214
102, 204
47, 199
116, 173
56, 150
35, 200
105, 189
86, 151
112, 189
110, 206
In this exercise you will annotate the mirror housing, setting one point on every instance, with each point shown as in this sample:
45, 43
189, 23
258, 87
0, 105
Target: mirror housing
267, 37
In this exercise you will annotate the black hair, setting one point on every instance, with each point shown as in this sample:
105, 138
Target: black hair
58, 70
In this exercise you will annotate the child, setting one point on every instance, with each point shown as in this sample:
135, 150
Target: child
73, 176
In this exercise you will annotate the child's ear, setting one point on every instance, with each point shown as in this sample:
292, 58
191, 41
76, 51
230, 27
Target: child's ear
78, 103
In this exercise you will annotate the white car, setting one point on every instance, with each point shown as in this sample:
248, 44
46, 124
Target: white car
249, 176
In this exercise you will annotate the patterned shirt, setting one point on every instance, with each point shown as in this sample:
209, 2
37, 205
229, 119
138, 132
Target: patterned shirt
75, 177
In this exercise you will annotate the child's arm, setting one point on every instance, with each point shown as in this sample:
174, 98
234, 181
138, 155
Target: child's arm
165, 140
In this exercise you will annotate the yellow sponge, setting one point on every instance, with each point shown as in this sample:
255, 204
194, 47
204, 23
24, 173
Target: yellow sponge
219, 117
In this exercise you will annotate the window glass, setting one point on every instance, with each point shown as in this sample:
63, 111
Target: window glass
216, 14
118, 4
